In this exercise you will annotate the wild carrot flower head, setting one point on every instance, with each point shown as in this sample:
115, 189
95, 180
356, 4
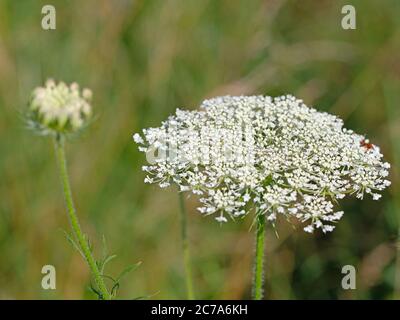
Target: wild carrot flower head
59, 108
273, 156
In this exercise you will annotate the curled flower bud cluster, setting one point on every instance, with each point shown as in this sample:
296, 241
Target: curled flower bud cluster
272, 156
59, 108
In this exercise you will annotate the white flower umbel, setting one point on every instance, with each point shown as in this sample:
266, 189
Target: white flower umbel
272, 156
275, 156
59, 108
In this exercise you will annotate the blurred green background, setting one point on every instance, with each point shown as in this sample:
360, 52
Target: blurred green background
143, 59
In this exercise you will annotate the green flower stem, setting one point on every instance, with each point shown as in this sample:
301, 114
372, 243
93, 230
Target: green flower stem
82, 241
186, 249
259, 258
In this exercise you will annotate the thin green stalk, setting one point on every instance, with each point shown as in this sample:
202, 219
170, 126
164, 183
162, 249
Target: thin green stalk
186, 249
259, 259
73, 218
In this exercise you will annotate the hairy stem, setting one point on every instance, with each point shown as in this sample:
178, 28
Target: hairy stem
73, 218
258, 281
186, 249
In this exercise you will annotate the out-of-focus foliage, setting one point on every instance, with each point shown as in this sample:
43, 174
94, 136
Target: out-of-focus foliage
142, 59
